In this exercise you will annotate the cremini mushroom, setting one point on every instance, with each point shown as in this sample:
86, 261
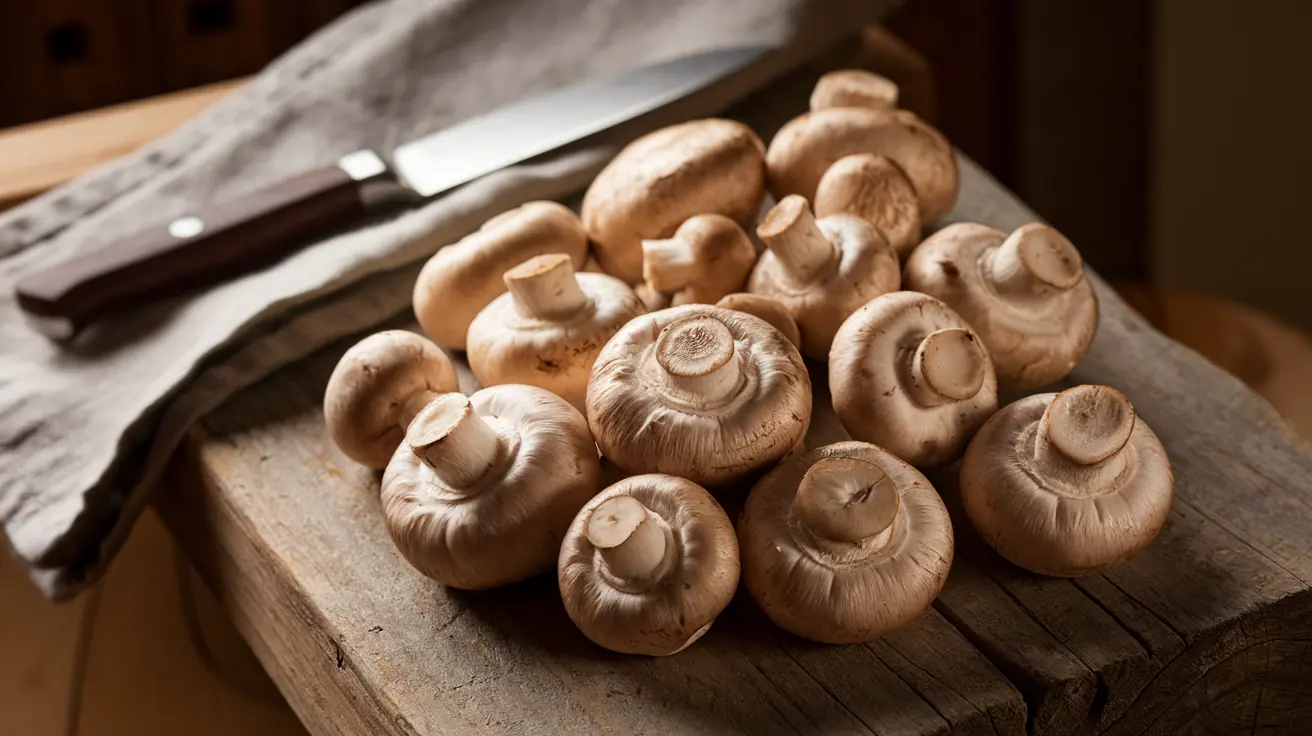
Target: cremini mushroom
548, 329
665, 177
700, 392
378, 386
908, 374
1067, 484
768, 309
483, 488
708, 257
460, 279
854, 88
844, 543
1025, 294
804, 149
822, 271
648, 564
874, 189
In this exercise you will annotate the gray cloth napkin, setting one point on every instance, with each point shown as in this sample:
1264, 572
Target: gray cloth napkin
86, 428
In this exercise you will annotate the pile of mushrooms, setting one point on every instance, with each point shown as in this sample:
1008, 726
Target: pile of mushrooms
650, 341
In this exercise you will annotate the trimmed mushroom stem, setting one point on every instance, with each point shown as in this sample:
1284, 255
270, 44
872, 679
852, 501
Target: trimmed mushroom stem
791, 232
948, 365
843, 499
700, 361
455, 441
414, 404
1035, 260
1081, 435
635, 543
668, 265
545, 287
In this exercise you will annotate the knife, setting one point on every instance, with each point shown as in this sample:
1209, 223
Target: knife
228, 238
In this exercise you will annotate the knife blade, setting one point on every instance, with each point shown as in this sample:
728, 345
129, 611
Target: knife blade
225, 239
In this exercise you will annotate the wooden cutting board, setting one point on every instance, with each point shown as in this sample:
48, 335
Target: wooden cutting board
1204, 632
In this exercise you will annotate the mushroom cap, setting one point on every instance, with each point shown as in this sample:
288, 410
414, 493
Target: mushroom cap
1034, 337
875, 189
676, 610
768, 309
462, 278
843, 592
645, 427
708, 257
509, 346
509, 525
667, 176
804, 149
854, 88
865, 268
1053, 513
882, 396
374, 384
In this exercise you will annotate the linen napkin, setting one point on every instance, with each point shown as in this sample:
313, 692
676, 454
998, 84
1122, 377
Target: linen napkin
86, 427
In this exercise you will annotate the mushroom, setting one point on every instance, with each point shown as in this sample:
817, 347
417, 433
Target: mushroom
1025, 294
548, 329
1067, 484
667, 176
708, 257
460, 279
844, 543
483, 488
770, 310
648, 564
874, 189
378, 386
908, 374
854, 88
700, 392
822, 271
804, 149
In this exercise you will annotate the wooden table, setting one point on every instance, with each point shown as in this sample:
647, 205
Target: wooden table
1205, 632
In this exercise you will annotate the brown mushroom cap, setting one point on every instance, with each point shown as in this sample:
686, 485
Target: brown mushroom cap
908, 374
804, 149
484, 487
708, 257
665, 177
770, 310
700, 392
1025, 294
378, 386
460, 279
648, 564
844, 544
821, 271
854, 88
874, 189
1067, 484
548, 329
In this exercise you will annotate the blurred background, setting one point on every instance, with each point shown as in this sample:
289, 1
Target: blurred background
1167, 138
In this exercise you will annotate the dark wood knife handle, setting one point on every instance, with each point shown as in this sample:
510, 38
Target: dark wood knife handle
200, 248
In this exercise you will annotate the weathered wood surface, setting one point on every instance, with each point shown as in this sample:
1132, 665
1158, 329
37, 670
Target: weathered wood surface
1204, 632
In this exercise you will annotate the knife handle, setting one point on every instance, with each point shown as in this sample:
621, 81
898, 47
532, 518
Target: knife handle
208, 245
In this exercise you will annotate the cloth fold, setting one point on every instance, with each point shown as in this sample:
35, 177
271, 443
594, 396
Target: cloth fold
86, 427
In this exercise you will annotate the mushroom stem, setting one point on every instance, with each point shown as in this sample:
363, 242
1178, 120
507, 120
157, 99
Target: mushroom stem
454, 440
545, 287
1035, 260
948, 365
844, 499
413, 404
700, 361
635, 543
668, 265
790, 231
1081, 435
